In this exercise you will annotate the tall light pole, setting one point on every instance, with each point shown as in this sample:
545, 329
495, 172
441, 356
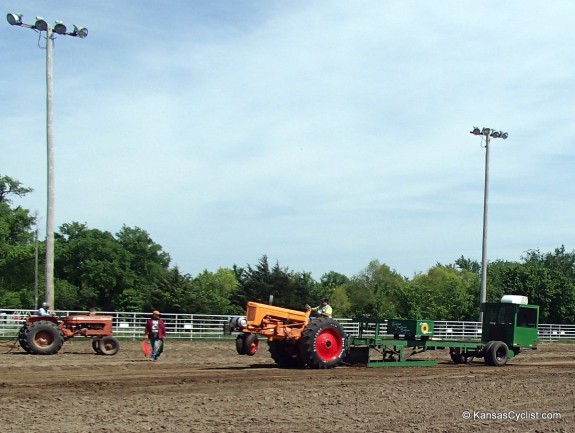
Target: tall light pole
488, 133
59, 29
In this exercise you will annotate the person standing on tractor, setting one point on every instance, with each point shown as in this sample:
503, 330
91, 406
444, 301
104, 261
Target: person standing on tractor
322, 310
44, 310
155, 330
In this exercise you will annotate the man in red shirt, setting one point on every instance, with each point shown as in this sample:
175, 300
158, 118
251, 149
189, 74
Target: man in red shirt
155, 330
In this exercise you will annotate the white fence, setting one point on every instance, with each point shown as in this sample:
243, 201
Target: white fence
195, 326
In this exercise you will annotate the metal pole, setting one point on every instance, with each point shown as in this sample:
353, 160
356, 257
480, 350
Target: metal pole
36, 271
80, 32
50, 180
482, 294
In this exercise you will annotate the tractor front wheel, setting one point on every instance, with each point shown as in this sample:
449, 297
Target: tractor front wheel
322, 344
109, 346
96, 346
240, 347
43, 338
251, 344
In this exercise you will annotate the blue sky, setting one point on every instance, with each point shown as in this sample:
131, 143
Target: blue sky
324, 134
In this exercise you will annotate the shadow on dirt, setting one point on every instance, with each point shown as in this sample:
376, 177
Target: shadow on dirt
242, 367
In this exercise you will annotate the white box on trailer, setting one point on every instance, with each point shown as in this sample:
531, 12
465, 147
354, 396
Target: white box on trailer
515, 299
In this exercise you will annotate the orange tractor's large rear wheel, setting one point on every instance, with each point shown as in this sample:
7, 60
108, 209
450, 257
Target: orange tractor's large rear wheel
286, 354
323, 343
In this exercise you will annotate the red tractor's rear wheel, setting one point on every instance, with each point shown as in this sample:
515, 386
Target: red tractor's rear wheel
23, 338
43, 338
323, 343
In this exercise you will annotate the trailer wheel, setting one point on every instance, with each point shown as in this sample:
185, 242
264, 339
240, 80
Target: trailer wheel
109, 346
96, 346
497, 354
251, 344
240, 348
458, 358
285, 355
43, 338
485, 350
322, 344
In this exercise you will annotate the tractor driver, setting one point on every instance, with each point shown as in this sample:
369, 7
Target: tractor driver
322, 310
44, 310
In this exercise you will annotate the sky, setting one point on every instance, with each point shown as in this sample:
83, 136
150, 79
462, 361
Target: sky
323, 134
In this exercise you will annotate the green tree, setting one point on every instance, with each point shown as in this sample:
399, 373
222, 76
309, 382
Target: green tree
95, 263
17, 249
289, 289
468, 265
10, 187
443, 293
148, 261
543, 278
175, 293
377, 290
340, 302
213, 292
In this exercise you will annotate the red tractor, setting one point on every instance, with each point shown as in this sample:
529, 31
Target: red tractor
45, 335
294, 340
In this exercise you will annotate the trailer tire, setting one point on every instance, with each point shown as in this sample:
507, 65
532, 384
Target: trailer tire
240, 348
323, 343
109, 346
286, 355
251, 344
497, 354
458, 358
43, 338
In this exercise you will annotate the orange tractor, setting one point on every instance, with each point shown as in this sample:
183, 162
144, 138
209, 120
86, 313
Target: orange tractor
45, 335
294, 339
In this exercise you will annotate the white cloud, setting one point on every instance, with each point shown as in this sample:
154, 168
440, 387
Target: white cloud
324, 135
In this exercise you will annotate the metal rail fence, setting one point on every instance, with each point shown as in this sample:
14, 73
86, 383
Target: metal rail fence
197, 326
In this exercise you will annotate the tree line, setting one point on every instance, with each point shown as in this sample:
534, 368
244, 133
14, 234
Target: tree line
128, 271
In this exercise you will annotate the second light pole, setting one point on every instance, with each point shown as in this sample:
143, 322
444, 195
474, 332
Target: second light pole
488, 133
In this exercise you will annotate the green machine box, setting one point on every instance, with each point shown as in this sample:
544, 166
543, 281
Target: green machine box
410, 328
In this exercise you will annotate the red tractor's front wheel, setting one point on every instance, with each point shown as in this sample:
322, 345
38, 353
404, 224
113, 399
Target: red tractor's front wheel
323, 343
96, 346
109, 346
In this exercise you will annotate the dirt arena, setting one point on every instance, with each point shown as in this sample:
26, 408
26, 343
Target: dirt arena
205, 386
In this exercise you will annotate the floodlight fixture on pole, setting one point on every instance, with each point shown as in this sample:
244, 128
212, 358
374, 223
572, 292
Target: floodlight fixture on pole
40, 25
14, 19
80, 32
60, 28
488, 133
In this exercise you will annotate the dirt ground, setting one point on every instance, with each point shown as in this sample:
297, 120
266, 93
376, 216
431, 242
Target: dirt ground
205, 386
